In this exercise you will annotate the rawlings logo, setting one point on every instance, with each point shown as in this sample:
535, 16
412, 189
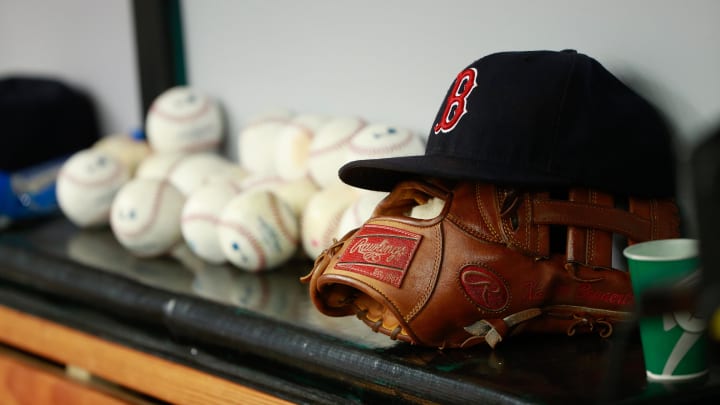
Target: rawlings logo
375, 252
484, 287
456, 103
381, 252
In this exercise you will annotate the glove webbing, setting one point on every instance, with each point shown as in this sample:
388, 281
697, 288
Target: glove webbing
592, 219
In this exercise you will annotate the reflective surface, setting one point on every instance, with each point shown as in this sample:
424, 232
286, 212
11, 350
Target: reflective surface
521, 369
277, 294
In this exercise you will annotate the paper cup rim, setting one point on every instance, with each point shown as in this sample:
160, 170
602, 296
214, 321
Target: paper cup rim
679, 377
648, 251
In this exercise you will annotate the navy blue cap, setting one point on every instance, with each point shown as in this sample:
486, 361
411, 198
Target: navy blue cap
539, 119
43, 119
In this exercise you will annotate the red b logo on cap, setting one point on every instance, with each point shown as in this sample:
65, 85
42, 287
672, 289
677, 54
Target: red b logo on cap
456, 103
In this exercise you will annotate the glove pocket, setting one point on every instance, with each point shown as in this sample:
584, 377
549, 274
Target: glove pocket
384, 274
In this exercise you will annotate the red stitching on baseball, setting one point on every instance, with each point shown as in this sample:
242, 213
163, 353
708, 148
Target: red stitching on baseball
310, 133
339, 143
277, 215
157, 198
171, 169
200, 217
261, 182
235, 187
254, 243
180, 118
332, 227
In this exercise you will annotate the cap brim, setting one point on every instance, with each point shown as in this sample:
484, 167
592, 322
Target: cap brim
384, 174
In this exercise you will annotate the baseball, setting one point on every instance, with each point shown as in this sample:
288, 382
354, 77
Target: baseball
293, 144
124, 148
328, 149
200, 217
358, 212
183, 119
87, 184
195, 169
295, 193
257, 141
321, 217
159, 165
431, 209
145, 216
382, 141
186, 171
258, 231
232, 172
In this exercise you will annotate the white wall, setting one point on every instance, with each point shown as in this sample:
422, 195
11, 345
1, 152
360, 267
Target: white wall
388, 61
392, 61
88, 44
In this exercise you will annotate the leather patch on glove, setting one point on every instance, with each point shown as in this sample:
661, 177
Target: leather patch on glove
381, 252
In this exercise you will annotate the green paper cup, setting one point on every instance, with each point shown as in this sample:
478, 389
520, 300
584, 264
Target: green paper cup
674, 344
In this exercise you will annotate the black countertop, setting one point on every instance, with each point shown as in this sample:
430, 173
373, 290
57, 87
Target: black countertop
261, 330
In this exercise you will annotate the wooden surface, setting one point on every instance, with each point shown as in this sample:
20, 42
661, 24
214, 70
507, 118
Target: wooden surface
138, 371
26, 381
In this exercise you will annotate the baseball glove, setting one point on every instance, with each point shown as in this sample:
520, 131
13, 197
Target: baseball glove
494, 262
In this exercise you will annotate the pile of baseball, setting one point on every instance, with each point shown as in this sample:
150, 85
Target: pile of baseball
281, 198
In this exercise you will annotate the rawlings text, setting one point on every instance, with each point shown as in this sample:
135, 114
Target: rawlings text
381, 252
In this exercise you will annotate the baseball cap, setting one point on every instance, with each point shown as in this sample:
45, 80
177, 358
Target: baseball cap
43, 118
538, 119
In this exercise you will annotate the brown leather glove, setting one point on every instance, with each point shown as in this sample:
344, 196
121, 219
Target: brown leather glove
495, 262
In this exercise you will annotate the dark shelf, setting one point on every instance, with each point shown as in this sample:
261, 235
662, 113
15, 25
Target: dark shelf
262, 330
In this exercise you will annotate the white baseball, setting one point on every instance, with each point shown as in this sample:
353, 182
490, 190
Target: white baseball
126, 149
159, 165
358, 212
295, 193
321, 217
258, 231
195, 169
145, 216
186, 171
293, 145
183, 119
431, 209
382, 141
328, 149
257, 141
200, 217
232, 172
87, 184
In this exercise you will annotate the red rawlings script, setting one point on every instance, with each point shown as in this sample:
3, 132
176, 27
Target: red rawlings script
381, 252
